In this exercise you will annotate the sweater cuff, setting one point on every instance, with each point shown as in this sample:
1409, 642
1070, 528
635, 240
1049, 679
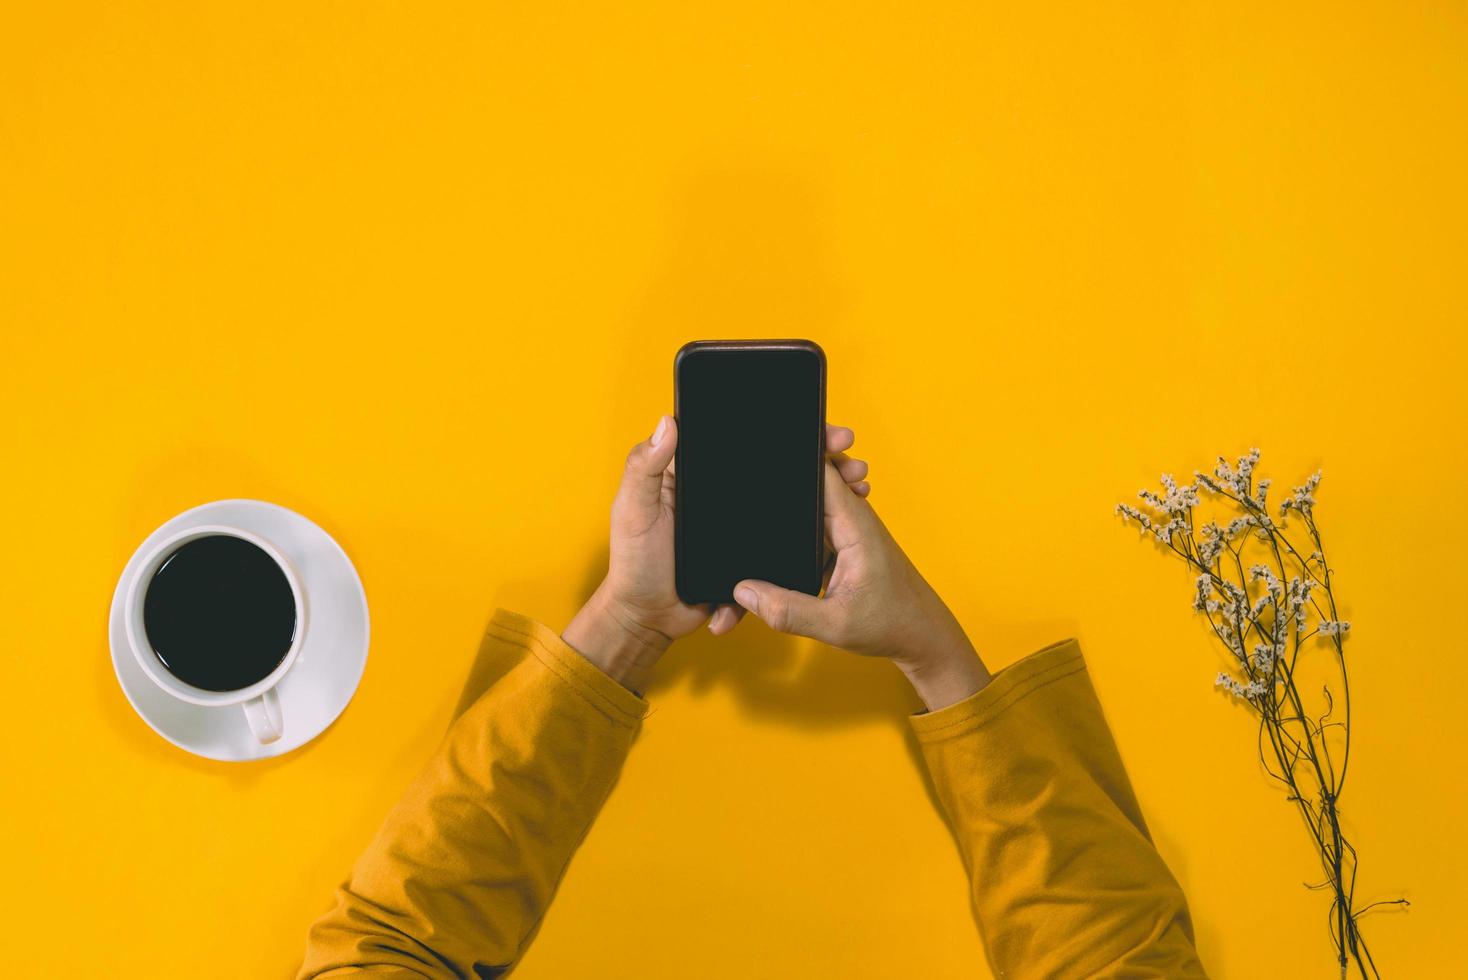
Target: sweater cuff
581, 675
1007, 688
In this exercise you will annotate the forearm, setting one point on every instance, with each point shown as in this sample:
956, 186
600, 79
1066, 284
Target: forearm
938, 659
465, 864
1065, 879
611, 638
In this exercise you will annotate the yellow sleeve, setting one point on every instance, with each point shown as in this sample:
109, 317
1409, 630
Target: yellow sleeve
1066, 882
461, 871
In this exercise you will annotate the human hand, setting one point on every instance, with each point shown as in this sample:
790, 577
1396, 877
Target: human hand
635, 614
875, 603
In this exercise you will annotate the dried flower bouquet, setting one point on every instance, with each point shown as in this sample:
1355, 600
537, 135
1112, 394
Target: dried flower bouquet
1271, 603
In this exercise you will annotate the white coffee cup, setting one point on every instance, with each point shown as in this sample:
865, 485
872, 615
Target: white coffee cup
261, 705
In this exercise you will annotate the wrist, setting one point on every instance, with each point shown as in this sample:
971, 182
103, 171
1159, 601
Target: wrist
944, 673
606, 634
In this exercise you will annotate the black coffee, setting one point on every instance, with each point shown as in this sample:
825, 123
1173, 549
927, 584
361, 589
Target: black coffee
219, 613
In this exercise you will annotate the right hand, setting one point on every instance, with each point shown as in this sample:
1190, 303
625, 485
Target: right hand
875, 603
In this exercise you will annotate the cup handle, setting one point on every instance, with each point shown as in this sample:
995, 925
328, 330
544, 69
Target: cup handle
263, 714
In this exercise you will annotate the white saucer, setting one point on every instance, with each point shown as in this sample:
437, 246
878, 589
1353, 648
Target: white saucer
326, 673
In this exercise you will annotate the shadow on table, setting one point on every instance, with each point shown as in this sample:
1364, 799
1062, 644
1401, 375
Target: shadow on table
774, 678
794, 682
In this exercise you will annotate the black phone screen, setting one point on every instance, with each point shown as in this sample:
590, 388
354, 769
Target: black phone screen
749, 468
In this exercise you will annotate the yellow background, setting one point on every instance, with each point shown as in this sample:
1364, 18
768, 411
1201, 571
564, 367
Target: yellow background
419, 272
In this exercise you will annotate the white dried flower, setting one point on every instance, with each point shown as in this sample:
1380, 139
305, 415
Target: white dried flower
1130, 513
1203, 593
1330, 627
1178, 498
1263, 493
1249, 692
1164, 532
1234, 480
1262, 659
1247, 462
1227, 479
1210, 543
1303, 498
1274, 591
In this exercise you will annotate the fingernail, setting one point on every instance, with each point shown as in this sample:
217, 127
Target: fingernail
660, 431
747, 598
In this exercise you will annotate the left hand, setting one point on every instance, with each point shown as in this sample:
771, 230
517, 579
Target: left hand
635, 614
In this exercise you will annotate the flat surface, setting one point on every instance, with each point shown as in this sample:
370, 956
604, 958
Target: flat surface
420, 273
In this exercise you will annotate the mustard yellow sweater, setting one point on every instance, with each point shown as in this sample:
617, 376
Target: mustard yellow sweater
1065, 880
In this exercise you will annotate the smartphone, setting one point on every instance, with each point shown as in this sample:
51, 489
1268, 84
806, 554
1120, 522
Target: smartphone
750, 466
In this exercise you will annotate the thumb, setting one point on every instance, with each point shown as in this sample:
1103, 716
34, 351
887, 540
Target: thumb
785, 610
642, 480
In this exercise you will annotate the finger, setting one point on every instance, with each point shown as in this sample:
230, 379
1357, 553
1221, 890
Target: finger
783, 610
647, 464
847, 515
861, 488
839, 438
724, 619
851, 470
